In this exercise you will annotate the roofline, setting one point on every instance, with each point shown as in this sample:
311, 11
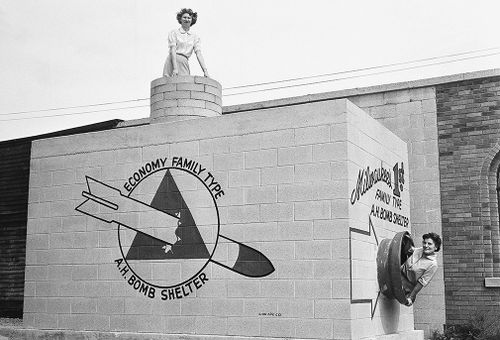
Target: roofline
316, 97
105, 125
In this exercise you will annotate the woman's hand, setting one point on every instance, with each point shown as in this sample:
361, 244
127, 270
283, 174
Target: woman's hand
409, 302
175, 72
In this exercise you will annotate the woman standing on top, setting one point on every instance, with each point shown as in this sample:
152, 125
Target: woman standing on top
181, 43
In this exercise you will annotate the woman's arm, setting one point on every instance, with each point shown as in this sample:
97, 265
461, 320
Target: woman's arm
413, 295
173, 57
202, 62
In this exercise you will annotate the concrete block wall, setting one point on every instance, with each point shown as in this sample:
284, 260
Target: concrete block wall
283, 175
411, 114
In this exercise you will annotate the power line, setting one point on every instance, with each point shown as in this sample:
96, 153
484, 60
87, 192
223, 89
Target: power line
74, 113
74, 107
365, 68
361, 75
268, 83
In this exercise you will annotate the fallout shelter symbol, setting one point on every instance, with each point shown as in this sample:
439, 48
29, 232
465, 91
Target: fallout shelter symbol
169, 228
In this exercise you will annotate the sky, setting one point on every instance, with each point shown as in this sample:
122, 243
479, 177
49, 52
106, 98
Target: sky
86, 61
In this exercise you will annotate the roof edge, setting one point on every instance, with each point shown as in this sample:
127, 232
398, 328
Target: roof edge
360, 91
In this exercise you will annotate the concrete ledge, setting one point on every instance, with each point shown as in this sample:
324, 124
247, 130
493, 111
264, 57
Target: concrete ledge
492, 282
361, 91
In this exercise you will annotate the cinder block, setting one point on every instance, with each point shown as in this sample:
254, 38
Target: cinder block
216, 107
244, 143
277, 175
36, 273
176, 95
276, 212
159, 82
58, 305
243, 326
243, 288
296, 230
45, 321
295, 155
336, 151
211, 325
297, 308
191, 103
244, 178
190, 87
213, 90
207, 81
291, 269
314, 328
181, 325
61, 240
312, 210
312, 172
214, 146
60, 177
185, 149
84, 272
396, 97
203, 96
243, 214
97, 289
138, 305
196, 307
313, 289
368, 100
333, 269
83, 305
312, 135
227, 307
36, 305
265, 194
277, 327
313, 250
277, 139
338, 309
179, 79
37, 241
295, 192
277, 288
261, 159
229, 161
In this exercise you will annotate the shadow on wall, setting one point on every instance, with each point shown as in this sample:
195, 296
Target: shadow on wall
389, 312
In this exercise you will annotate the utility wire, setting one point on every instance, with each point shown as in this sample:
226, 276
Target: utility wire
74, 113
268, 83
364, 69
74, 107
361, 75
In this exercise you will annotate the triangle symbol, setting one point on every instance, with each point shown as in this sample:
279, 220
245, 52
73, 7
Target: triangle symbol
189, 245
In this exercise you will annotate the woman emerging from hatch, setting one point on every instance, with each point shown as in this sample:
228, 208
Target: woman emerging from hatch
181, 44
420, 267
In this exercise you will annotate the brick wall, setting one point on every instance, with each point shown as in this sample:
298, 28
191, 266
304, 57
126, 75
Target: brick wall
468, 117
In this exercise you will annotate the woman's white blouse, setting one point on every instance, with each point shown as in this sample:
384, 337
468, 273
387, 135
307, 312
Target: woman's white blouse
185, 42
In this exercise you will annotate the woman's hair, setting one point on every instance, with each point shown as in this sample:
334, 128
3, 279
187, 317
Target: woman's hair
434, 237
194, 15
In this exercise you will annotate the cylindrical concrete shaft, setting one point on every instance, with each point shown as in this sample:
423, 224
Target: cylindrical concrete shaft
185, 97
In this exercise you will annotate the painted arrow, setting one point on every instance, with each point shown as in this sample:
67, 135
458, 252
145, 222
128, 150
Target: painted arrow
364, 296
